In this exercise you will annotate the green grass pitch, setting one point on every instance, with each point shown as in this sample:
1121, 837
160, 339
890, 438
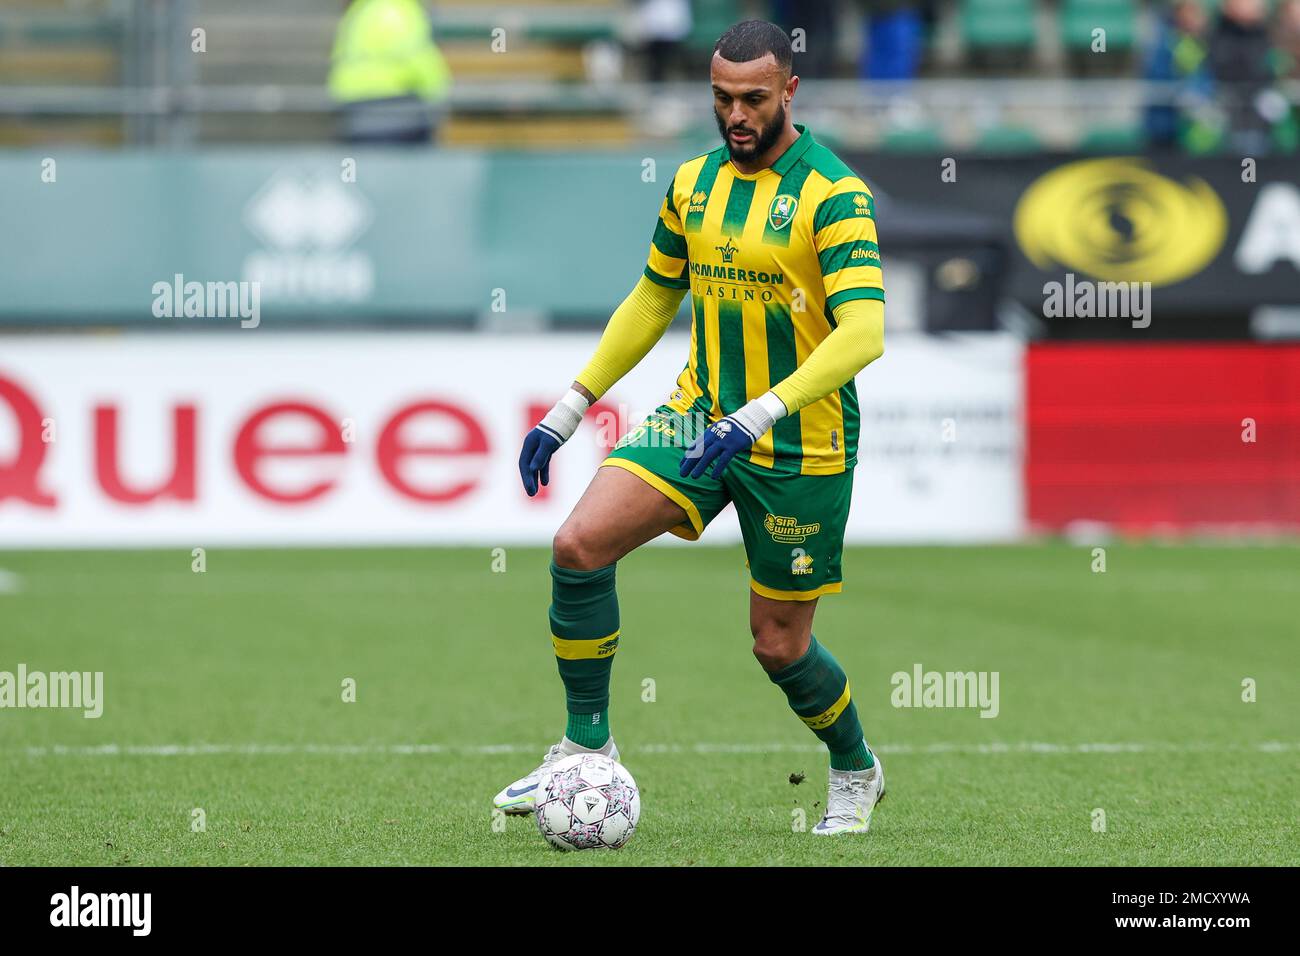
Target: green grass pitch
242, 666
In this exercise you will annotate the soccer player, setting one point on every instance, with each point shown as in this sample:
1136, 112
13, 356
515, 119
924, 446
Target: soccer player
776, 241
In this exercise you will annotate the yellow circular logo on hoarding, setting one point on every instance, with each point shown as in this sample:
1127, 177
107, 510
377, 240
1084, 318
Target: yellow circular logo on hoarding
1120, 221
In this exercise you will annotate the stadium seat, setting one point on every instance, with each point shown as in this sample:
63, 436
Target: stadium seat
1112, 139
50, 48
709, 20
998, 24
1009, 139
1117, 17
558, 132
913, 139
47, 44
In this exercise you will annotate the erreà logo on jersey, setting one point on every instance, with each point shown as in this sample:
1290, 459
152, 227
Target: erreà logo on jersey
698, 199
782, 211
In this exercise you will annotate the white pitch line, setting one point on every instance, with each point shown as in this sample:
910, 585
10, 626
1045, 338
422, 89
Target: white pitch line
10, 583
1017, 747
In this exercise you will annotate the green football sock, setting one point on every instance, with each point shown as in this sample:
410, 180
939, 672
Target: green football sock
818, 692
588, 730
584, 632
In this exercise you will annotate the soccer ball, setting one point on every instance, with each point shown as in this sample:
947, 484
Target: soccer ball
588, 801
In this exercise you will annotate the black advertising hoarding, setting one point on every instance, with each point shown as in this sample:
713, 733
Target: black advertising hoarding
1217, 239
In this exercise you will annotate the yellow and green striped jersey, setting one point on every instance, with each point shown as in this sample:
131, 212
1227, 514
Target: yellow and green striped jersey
767, 257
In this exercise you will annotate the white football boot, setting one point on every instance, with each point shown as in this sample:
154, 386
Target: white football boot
852, 797
521, 796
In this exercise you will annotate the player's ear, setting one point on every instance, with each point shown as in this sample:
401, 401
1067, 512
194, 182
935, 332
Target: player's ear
791, 85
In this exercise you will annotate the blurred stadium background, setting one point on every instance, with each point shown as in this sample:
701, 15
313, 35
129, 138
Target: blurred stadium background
289, 274
460, 193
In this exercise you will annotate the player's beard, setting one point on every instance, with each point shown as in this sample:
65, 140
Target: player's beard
762, 142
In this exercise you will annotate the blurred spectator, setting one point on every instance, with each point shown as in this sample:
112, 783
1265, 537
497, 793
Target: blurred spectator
664, 26
1180, 56
388, 73
1286, 47
817, 20
1288, 38
1241, 58
894, 40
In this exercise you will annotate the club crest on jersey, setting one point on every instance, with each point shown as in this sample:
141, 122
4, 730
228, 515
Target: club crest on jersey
782, 211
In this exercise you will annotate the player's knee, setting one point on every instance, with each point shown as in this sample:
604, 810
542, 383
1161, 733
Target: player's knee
571, 549
776, 645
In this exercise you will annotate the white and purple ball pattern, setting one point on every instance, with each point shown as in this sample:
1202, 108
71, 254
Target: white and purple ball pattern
587, 802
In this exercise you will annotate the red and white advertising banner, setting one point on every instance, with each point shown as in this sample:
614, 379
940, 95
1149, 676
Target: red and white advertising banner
262, 438
1169, 437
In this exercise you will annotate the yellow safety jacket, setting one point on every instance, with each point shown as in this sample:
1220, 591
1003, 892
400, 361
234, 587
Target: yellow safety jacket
385, 48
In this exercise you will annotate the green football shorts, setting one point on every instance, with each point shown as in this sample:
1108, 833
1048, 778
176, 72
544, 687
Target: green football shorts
793, 525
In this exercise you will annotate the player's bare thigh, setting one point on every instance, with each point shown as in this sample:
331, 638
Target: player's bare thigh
782, 629
615, 515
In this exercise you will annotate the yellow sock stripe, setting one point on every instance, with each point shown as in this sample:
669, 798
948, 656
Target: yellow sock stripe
832, 714
591, 649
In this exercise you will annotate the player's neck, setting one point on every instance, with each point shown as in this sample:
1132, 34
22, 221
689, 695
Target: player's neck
788, 137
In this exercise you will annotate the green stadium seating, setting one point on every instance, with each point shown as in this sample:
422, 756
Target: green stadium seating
998, 24
913, 139
711, 19
45, 47
52, 30
1117, 17
1009, 139
1112, 139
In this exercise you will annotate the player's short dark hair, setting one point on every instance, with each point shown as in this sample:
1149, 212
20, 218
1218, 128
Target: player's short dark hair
752, 40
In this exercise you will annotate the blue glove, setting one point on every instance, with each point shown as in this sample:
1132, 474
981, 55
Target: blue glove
547, 435
535, 459
719, 444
